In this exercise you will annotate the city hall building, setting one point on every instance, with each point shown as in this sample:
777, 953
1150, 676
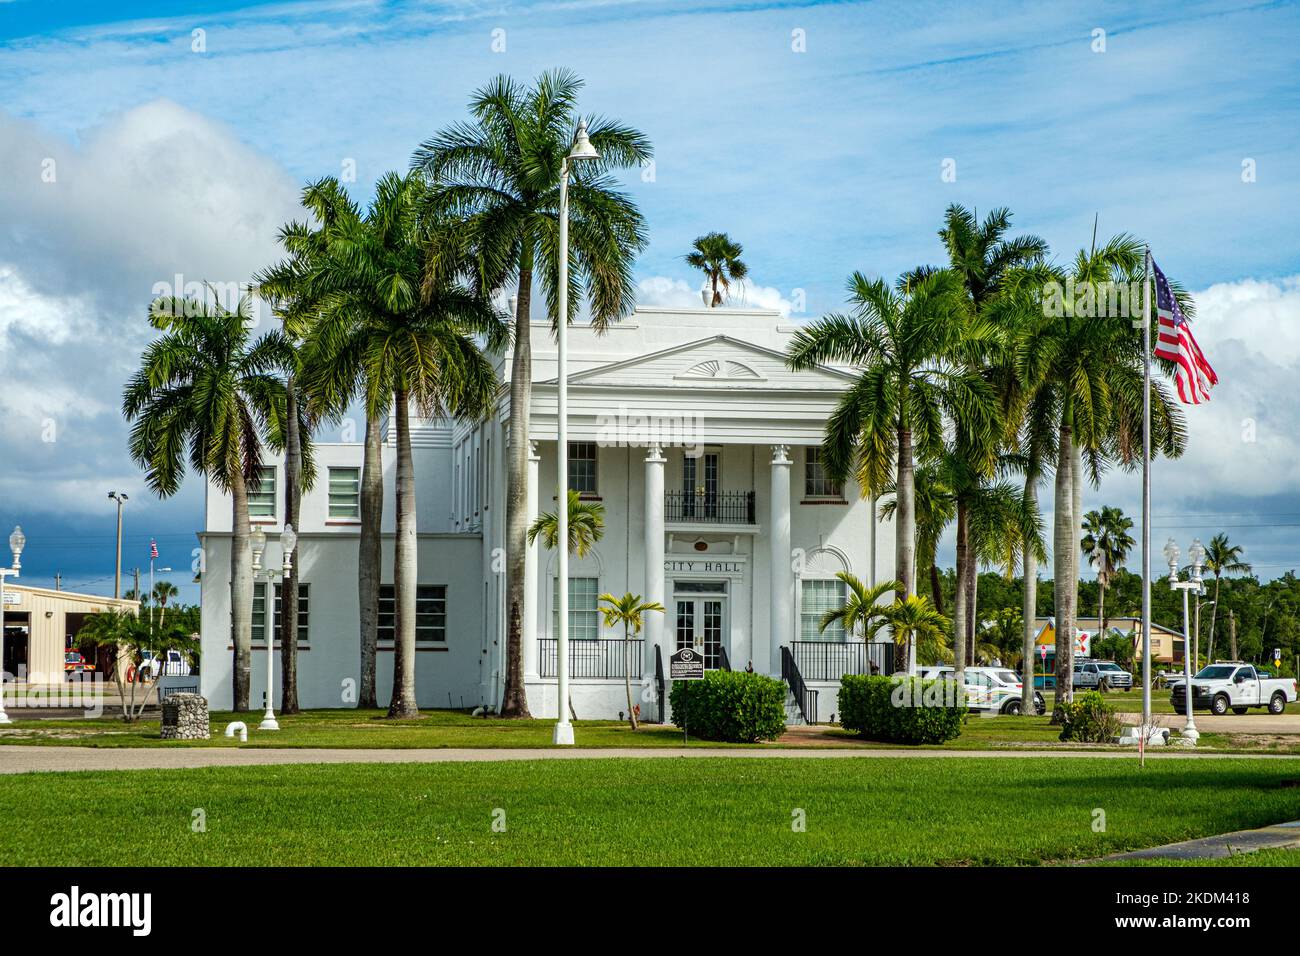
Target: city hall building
703, 449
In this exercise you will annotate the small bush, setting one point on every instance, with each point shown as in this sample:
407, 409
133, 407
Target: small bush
1089, 719
732, 706
900, 710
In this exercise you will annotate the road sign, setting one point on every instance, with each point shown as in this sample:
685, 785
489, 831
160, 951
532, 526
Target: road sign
1042, 652
686, 664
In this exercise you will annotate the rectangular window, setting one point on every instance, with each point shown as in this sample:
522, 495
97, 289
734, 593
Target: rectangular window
345, 493
582, 467
584, 610
261, 494
430, 613
818, 597
259, 612
816, 484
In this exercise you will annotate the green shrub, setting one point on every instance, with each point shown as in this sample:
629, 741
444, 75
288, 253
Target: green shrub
732, 706
900, 710
1089, 719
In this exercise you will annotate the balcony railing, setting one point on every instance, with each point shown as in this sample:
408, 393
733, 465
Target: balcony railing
831, 660
721, 507
599, 659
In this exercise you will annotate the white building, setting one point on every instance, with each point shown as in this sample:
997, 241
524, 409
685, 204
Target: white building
702, 447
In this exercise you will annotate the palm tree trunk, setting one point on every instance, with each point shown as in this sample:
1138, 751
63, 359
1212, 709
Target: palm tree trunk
1232, 636
405, 571
936, 591
905, 532
1029, 603
1214, 614
960, 617
1063, 545
1101, 606
241, 592
1076, 495
514, 700
972, 605
289, 593
370, 559
627, 676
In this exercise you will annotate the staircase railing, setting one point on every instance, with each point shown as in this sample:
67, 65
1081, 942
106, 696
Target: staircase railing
724, 662
659, 681
805, 697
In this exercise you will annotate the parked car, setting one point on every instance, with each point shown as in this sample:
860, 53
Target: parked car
1100, 675
1235, 686
173, 663
989, 689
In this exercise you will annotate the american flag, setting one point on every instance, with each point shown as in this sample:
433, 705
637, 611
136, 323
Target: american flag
153, 549
1175, 342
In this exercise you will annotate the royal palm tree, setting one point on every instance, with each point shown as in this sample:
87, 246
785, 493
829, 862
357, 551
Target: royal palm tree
630, 611
208, 396
906, 344
501, 172
935, 506
1222, 557
1089, 371
1106, 544
410, 337
717, 255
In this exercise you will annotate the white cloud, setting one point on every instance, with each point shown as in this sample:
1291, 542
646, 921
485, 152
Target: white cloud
678, 294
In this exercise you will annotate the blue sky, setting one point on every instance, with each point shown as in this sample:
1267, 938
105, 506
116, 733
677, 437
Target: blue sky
820, 162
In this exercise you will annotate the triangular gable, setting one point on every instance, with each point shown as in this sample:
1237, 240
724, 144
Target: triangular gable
719, 361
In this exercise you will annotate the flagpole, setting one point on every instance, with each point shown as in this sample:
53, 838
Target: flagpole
1146, 495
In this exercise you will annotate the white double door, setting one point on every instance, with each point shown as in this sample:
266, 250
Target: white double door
700, 616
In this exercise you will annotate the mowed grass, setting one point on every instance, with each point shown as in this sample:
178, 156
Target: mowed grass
637, 812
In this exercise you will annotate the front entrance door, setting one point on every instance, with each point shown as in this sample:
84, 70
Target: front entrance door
701, 618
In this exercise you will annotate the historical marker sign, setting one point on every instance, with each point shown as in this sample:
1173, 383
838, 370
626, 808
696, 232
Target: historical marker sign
686, 664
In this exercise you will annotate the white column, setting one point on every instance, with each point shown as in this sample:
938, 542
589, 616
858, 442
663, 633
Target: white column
654, 546
782, 592
531, 599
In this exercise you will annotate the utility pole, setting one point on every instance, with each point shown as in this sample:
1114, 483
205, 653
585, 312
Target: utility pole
137, 584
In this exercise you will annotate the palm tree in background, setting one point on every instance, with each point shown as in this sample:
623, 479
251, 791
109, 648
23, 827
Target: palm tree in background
501, 173
630, 611
918, 628
409, 334
210, 397
936, 506
861, 613
1106, 544
163, 591
906, 344
717, 255
1222, 557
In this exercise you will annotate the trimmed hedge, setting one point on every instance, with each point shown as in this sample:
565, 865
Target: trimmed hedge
900, 710
732, 706
1090, 719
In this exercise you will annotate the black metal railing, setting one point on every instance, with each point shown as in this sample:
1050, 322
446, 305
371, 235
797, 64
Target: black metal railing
659, 681
603, 658
831, 660
804, 696
721, 507
724, 661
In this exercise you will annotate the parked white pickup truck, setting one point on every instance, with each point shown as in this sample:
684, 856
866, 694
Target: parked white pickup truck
1232, 685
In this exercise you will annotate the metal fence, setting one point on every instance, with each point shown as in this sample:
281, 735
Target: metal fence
722, 507
831, 660
604, 658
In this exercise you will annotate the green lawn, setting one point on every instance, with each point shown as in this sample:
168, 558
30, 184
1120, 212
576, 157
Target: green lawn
637, 812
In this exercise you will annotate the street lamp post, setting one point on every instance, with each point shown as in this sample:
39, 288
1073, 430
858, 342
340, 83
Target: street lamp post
121, 499
582, 150
17, 541
1194, 583
288, 542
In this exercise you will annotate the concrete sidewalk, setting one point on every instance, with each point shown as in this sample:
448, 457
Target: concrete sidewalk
1282, 836
24, 759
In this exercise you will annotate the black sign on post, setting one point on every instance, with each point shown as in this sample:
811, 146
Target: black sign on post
686, 664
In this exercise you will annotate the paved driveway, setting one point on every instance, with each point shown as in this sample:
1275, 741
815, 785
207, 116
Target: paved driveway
1254, 722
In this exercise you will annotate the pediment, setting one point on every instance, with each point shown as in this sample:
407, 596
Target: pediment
720, 362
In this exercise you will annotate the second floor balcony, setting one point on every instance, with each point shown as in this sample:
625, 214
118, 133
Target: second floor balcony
705, 507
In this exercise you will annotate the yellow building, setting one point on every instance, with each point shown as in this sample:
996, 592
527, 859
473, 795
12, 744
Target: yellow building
40, 624
1166, 644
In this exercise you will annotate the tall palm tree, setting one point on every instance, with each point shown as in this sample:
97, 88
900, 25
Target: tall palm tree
501, 171
717, 255
209, 396
1089, 371
1222, 557
307, 281
630, 611
163, 591
410, 337
586, 526
861, 611
904, 343
984, 259
935, 506
1106, 544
